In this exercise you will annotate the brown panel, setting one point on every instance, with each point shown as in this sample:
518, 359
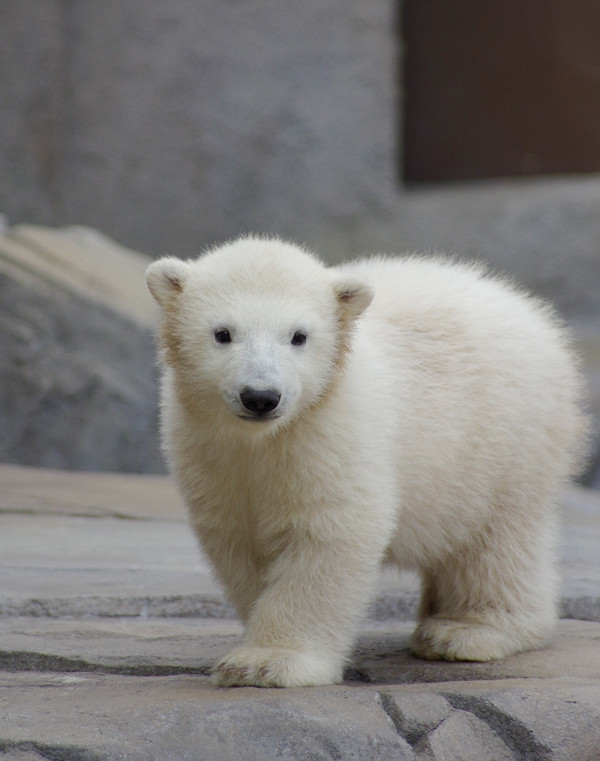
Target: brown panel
501, 87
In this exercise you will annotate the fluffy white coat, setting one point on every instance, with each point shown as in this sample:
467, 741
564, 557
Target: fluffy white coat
321, 421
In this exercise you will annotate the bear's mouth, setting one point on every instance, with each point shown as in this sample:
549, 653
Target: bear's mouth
259, 418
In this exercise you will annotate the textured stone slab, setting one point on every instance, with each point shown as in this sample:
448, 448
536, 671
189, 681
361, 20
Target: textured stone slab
142, 719
98, 716
100, 566
525, 720
44, 491
154, 646
562, 722
382, 656
115, 646
76, 544
464, 737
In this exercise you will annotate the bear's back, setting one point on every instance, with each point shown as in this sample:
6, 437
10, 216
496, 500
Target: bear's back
478, 360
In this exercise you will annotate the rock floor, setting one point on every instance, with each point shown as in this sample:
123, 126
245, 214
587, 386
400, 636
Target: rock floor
110, 622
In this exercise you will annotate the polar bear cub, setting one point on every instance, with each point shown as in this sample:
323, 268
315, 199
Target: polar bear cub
322, 421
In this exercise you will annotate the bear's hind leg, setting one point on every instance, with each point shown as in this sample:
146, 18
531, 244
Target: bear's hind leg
492, 599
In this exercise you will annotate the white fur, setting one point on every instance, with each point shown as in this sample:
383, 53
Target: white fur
431, 427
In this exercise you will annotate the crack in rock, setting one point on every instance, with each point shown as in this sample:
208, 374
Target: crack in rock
17, 661
28, 751
514, 733
415, 716
451, 727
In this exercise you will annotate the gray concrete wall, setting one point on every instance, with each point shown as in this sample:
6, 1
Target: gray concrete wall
170, 125
32, 112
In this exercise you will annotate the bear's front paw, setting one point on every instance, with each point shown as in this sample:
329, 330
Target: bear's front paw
274, 667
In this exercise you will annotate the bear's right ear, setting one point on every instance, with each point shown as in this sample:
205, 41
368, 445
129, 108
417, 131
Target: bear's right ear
166, 277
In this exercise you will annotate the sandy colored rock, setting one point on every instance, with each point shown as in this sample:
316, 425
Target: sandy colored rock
79, 387
86, 262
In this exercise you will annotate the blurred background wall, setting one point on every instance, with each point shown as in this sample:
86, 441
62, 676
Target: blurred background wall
380, 125
169, 125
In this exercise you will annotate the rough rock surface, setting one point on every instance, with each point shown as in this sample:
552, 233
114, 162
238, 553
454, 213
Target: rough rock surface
79, 384
110, 622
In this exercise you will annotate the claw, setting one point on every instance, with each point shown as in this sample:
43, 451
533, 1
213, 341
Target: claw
231, 674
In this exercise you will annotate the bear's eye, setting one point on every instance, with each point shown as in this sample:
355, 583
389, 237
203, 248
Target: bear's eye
299, 338
223, 336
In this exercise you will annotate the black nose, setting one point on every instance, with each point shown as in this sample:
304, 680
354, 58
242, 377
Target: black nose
260, 402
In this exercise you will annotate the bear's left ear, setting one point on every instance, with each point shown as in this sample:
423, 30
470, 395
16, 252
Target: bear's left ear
353, 295
166, 277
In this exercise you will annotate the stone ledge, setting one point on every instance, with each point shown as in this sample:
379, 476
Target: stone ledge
103, 717
156, 647
399, 606
115, 545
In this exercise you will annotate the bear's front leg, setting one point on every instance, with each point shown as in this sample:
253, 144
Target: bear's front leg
303, 624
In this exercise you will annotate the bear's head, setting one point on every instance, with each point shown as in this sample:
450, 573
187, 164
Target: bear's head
254, 332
